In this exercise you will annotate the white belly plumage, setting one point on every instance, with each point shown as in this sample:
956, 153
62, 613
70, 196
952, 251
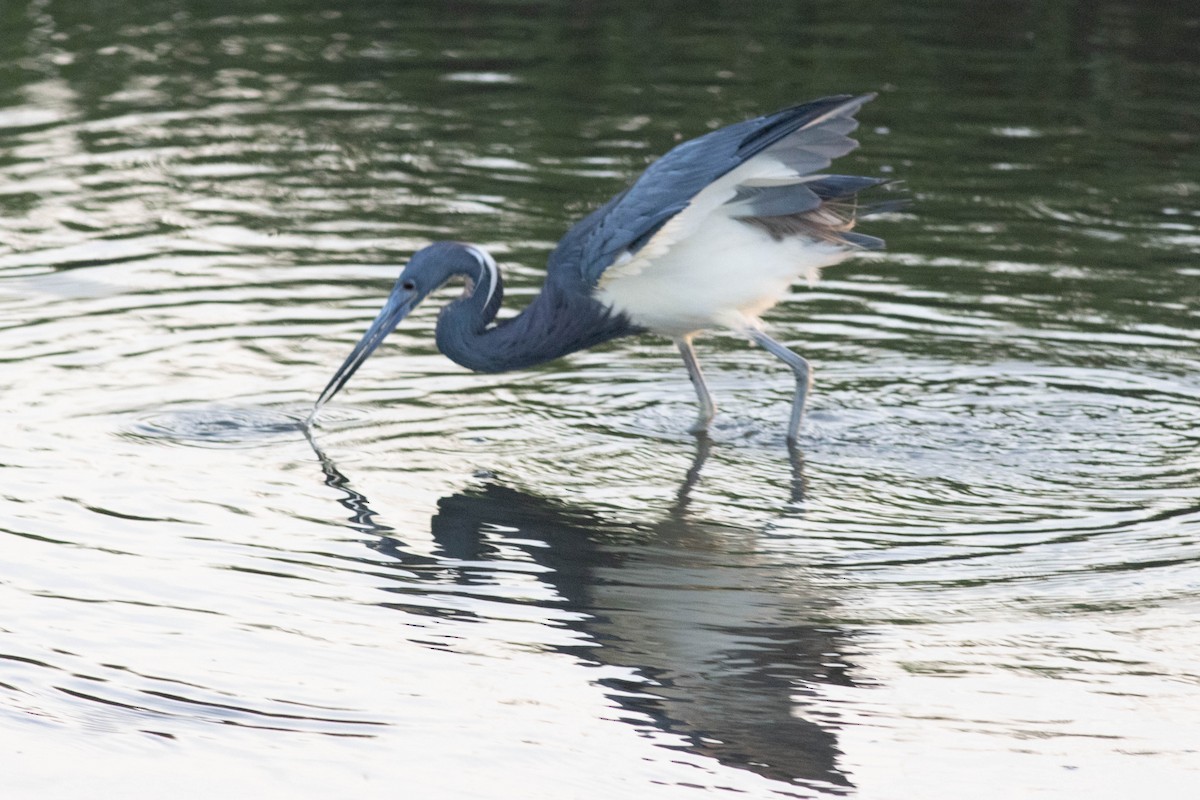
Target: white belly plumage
707, 268
724, 274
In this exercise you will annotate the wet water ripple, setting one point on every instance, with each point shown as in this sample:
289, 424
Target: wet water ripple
986, 545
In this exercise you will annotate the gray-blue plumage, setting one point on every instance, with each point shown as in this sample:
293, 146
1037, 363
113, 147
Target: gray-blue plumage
836, 187
783, 196
774, 201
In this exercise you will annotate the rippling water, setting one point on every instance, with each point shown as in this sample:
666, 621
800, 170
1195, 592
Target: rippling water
977, 575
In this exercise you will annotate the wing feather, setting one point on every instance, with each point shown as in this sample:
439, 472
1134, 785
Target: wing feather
793, 143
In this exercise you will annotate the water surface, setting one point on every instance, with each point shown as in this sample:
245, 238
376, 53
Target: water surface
977, 574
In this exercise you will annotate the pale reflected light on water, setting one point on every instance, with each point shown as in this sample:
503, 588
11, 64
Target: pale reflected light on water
977, 575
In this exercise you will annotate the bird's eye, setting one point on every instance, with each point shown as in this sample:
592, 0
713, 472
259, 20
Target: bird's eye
408, 286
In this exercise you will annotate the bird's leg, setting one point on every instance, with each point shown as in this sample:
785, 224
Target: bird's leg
799, 367
707, 408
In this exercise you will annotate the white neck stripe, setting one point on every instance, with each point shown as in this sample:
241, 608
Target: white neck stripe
488, 264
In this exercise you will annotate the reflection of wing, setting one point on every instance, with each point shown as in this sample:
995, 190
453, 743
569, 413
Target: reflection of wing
764, 168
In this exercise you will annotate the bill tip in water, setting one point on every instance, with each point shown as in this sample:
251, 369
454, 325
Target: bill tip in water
312, 417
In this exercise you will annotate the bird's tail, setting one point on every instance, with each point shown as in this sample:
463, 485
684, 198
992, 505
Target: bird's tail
830, 216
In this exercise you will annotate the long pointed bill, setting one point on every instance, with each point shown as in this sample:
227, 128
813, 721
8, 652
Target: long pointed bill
398, 306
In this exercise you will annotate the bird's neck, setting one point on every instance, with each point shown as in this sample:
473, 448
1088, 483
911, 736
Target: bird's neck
556, 323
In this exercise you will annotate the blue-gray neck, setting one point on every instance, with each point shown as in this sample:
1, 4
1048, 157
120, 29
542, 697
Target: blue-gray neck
558, 321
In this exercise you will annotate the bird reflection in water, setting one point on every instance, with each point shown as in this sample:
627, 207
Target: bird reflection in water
730, 659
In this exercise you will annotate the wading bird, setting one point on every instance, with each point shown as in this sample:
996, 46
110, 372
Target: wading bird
711, 235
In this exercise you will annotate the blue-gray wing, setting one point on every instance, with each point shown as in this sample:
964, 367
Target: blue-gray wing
805, 139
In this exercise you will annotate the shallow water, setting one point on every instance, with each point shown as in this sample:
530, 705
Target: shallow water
977, 575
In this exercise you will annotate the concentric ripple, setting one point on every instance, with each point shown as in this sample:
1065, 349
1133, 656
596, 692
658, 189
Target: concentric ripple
219, 426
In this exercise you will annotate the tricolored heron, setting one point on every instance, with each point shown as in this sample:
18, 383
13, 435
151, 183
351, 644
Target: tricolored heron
709, 236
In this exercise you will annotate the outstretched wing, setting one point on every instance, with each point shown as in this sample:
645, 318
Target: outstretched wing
763, 169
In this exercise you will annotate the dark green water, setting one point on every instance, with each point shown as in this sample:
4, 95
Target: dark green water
978, 574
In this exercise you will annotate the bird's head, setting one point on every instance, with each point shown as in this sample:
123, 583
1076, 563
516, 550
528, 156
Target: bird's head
428, 269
